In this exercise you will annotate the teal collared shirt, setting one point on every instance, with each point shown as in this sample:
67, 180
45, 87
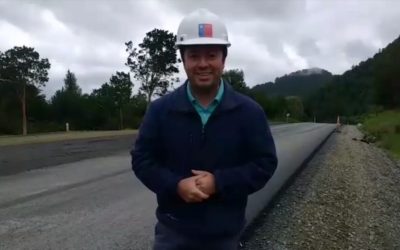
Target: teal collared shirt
205, 112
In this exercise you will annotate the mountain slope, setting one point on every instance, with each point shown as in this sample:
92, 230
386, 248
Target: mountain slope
300, 83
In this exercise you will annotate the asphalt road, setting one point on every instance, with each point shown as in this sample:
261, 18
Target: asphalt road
99, 204
20, 158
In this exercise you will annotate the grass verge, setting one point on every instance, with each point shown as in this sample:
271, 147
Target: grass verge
385, 127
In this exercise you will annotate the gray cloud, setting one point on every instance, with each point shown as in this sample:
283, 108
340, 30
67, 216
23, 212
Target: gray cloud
242, 9
389, 32
22, 15
114, 21
359, 50
308, 47
269, 38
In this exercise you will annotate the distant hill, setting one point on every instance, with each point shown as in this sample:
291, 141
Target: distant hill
300, 83
372, 85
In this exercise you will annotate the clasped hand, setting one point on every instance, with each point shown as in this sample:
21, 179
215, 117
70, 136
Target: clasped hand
198, 187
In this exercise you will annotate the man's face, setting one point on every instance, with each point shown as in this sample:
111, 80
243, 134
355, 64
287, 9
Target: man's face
204, 65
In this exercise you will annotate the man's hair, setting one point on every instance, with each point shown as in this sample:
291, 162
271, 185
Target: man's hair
224, 52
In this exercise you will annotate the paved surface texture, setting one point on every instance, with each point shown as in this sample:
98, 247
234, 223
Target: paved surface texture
20, 158
99, 204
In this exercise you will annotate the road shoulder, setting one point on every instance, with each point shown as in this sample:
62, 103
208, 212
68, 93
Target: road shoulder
346, 198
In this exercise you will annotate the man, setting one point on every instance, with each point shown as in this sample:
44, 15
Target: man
204, 147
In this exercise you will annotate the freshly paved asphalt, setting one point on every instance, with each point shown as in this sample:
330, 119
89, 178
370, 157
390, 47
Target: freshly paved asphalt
98, 203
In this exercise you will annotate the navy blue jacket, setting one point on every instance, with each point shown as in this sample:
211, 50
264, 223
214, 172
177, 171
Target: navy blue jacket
235, 145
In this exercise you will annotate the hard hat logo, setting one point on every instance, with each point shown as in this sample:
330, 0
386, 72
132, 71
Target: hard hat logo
205, 30
202, 27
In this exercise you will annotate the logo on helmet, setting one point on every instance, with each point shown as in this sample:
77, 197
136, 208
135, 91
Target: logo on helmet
205, 30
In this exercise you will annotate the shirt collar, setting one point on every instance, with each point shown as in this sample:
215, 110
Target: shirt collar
217, 98
181, 103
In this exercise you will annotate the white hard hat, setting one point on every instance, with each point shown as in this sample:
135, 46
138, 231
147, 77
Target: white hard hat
202, 27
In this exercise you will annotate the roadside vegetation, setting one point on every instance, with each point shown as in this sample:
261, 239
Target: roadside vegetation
307, 95
385, 127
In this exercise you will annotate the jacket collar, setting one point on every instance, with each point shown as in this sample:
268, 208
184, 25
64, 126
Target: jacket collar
180, 100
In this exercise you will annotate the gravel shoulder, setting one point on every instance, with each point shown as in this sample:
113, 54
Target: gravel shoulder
347, 197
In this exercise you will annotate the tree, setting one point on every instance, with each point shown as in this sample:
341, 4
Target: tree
68, 104
387, 77
70, 84
295, 107
136, 110
9, 108
104, 107
154, 62
236, 78
263, 101
23, 67
121, 86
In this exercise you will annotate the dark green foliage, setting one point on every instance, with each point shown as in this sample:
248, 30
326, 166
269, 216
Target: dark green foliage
370, 86
154, 62
121, 86
23, 68
295, 107
70, 84
68, 103
387, 76
236, 78
10, 111
300, 83
23, 65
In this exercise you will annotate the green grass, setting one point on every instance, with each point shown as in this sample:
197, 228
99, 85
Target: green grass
392, 142
386, 127
60, 136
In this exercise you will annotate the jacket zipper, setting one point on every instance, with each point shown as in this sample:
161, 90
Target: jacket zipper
203, 135
204, 127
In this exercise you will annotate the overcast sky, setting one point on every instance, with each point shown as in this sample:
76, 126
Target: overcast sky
269, 38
